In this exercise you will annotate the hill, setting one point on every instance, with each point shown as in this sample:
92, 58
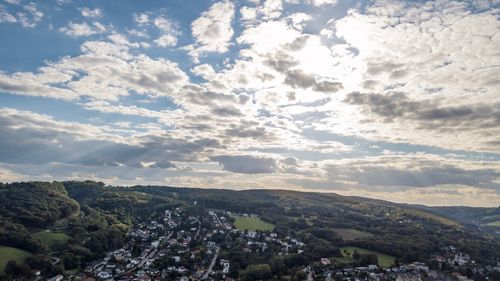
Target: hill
94, 218
403, 231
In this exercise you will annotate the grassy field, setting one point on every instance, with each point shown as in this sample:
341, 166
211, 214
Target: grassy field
351, 233
252, 223
494, 223
383, 259
8, 253
51, 239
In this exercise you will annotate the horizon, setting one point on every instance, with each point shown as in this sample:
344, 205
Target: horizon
389, 100
270, 189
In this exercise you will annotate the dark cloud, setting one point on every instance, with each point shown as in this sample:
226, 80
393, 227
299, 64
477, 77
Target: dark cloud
198, 95
299, 79
32, 139
247, 164
163, 165
280, 61
227, 111
395, 70
372, 176
429, 114
328, 86
298, 44
389, 106
248, 131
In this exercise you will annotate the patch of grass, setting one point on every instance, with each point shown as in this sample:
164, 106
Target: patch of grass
351, 233
494, 223
383, 259
71, 271
9, 253
252, 223
51, 239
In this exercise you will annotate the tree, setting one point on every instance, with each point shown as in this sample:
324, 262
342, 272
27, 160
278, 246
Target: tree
18, 271
356, 255
256, 272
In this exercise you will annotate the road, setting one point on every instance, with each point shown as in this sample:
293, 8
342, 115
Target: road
209, 270
199, 228
148, 255
144, 259
217, 218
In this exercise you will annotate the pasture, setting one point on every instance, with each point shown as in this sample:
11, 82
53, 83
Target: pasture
494, 223
51, 239
351, 233
347, 252
252, 223
9, 253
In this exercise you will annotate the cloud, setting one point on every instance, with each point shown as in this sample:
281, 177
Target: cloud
33, 16
430, 114
142, 18
73, 77
13, 2
5, 16
247, 164
91, 13
83, 29
165, 40
169, 32
35, 138
212, 31
319, 3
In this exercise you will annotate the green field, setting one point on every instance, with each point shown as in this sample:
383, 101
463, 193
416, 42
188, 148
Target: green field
252, 223
383, 259
494, 223
51, 239
8, 253
351, 233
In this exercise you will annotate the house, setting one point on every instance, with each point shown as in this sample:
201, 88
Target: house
155, 244
104, 274
325, 261
225, 266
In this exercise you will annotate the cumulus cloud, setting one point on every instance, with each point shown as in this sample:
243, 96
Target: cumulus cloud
72, 77
35, 138
32, 17
5, 16
82, 29
168, 32
212, 31
430, 114
323, 2
247, 164
91, 13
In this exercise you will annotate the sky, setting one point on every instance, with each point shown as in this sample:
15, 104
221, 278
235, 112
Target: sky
396, 100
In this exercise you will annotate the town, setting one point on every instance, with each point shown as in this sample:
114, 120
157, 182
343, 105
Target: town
195, 244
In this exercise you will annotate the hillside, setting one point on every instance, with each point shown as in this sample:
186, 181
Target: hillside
406, 232
94, 218
486, 218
